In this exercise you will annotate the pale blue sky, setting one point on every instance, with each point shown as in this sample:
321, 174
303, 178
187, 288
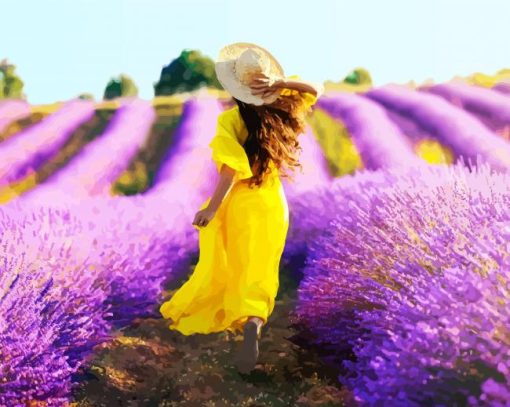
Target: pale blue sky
64, 47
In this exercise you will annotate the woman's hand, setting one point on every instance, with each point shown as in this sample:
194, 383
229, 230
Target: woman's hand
260, 86
203, 217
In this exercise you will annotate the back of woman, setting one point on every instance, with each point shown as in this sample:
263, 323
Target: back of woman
243, 225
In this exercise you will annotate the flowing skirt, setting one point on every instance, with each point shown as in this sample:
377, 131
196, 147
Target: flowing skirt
237, 274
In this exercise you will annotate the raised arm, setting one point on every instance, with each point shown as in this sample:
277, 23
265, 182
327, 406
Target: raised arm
260, 85
299, 85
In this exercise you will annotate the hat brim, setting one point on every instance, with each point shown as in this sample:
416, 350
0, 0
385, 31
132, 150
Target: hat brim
227, 77
225, 73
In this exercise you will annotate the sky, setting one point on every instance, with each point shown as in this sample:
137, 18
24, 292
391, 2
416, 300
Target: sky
62, 48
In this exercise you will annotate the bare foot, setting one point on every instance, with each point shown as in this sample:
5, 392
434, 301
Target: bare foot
248, 353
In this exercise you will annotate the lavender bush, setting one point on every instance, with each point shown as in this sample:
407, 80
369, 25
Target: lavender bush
100, 162
27, 150
487, 105
424, 143
313, 174
407, 287
52, 312
452, 127
92, 264
187, 173
311, 214
503, 87
95, 265
314, 171
379, 142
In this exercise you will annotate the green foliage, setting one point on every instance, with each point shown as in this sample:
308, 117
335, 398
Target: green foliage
358, 76
123, 86
190, 71
11, 85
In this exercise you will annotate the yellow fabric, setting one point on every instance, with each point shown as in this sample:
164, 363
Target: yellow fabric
227, 148
240, 248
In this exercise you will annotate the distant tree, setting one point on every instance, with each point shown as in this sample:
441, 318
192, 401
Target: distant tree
11, 84
88, 96
358, 76
190, 71
123, 86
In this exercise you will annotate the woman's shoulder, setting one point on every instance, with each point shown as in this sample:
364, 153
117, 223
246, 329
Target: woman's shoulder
230, 116
234, 109
233, 123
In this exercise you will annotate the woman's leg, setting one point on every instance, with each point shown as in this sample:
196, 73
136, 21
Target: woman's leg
259, 322
249, 350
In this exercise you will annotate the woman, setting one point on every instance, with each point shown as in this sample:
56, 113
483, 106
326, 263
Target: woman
243, 226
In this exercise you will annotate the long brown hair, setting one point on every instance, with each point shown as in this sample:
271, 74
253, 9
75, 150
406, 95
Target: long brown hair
273, 131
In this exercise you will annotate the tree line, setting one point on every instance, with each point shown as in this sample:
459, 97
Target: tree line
191, 70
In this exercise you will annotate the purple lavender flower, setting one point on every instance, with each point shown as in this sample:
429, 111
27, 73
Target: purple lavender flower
30, 148
99, 164
52, 311
379, 141
454, 128
407, 286
314, 172
489, 106
503, 87
90, 264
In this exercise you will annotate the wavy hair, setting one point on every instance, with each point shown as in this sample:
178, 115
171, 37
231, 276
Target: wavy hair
273, 131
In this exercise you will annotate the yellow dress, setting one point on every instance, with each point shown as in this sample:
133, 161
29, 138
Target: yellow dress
240, 248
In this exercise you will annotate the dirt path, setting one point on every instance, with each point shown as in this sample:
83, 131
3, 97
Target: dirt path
149, 365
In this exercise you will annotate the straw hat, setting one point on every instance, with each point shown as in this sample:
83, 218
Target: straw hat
236, 65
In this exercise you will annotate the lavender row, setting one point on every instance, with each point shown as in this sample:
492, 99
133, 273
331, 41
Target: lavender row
410, 278
94, 263
488, 105
503, 87
187, 173
52, 309
28, 149
314, 172
310, 215
451, 126
99, 164
12, 109
109, 255
378, 140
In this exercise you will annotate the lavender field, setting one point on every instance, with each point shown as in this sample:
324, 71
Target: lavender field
395, 276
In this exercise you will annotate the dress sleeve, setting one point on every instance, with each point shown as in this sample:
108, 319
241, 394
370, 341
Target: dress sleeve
226, 149
308, 98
